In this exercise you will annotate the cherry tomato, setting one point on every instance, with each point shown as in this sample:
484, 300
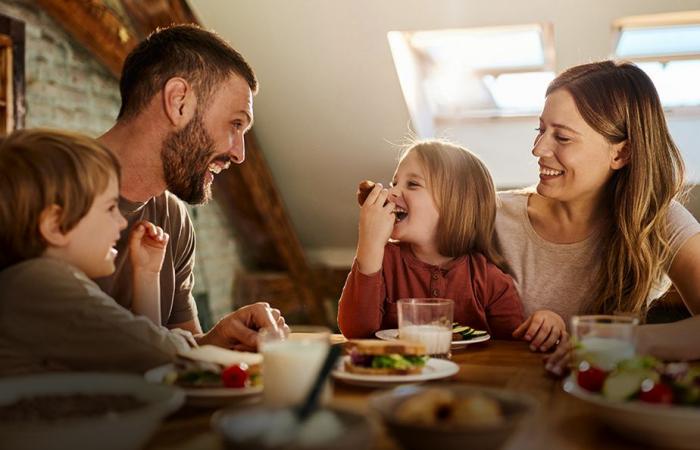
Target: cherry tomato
235, 376
656, 393
590, 377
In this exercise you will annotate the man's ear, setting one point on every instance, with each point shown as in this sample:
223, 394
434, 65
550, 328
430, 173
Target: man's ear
50, 227
179, 101
620, 155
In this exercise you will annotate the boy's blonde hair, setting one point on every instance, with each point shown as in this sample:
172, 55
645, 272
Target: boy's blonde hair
40, 168
465, 197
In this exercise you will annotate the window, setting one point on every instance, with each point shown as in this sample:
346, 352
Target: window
476, 72
667, 48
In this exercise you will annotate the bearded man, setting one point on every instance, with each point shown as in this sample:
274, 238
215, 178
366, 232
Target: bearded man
187, 102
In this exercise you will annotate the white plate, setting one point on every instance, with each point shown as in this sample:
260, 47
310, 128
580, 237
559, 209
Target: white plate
660, 425
206, 396
393, 334
434, 369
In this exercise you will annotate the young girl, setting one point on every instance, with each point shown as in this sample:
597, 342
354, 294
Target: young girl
440, 214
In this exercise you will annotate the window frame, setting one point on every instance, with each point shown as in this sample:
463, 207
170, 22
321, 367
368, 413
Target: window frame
658, 21
412, 84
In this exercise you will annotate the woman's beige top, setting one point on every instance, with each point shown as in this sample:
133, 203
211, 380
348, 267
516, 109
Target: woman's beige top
561, 277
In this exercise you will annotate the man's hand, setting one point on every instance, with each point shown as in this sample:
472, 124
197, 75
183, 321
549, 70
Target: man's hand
543, 329
239, 330
147, 244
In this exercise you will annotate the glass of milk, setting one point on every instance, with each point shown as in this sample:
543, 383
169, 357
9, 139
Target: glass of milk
291, 362
428, 321
603, 341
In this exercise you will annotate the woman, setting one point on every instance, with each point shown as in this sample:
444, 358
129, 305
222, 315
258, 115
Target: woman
603, 232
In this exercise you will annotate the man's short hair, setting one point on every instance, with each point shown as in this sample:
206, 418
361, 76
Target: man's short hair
199, 56
40, 168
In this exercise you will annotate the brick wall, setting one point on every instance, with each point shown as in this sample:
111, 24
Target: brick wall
66, 88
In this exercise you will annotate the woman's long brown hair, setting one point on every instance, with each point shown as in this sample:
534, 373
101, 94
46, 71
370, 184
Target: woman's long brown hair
619, 101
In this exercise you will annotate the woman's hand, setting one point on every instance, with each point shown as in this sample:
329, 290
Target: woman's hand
376, 224
543, 329
558, 362
147, 244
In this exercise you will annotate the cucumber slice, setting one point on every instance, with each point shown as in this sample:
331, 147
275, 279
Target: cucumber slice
467, 332
461, 329
478, 333
623, 385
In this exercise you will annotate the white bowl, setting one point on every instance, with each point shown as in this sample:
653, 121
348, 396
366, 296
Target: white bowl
659, 425
117, 431
247, 429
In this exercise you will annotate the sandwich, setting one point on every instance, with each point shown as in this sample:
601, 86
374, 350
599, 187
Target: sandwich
208, 366
372, 357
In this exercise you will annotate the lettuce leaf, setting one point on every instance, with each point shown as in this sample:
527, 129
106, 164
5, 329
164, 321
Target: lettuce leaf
395, 361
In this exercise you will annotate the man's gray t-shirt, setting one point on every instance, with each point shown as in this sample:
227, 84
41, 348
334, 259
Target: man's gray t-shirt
176, 277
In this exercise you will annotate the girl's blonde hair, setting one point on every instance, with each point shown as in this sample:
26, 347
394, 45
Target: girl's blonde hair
465, 197
619, 101
40, 168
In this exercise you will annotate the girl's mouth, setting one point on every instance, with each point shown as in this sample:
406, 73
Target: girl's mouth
400, 214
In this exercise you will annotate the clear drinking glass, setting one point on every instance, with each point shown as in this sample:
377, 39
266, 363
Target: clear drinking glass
603, 341
429, 321
291, 363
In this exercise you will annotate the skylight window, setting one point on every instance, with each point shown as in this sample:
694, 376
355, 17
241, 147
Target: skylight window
667, 48
654, 41
476, 72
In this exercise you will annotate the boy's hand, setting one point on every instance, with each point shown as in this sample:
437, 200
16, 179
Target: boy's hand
543, 329
147, 246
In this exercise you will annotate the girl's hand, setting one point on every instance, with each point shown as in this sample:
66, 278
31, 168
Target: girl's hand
558, 362
147, 244
376, 224
543, 329
377, 218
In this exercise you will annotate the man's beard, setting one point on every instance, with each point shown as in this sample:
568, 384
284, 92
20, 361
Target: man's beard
185, 156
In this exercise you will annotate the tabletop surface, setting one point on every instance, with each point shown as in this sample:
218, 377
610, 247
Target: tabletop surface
561, 422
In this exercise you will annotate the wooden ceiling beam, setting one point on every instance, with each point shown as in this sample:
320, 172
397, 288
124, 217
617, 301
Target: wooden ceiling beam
255, 208
96, 27
152, 14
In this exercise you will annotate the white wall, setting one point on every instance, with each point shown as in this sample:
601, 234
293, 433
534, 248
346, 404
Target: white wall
330, 108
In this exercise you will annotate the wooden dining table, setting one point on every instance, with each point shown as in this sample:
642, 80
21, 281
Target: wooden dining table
560, 421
